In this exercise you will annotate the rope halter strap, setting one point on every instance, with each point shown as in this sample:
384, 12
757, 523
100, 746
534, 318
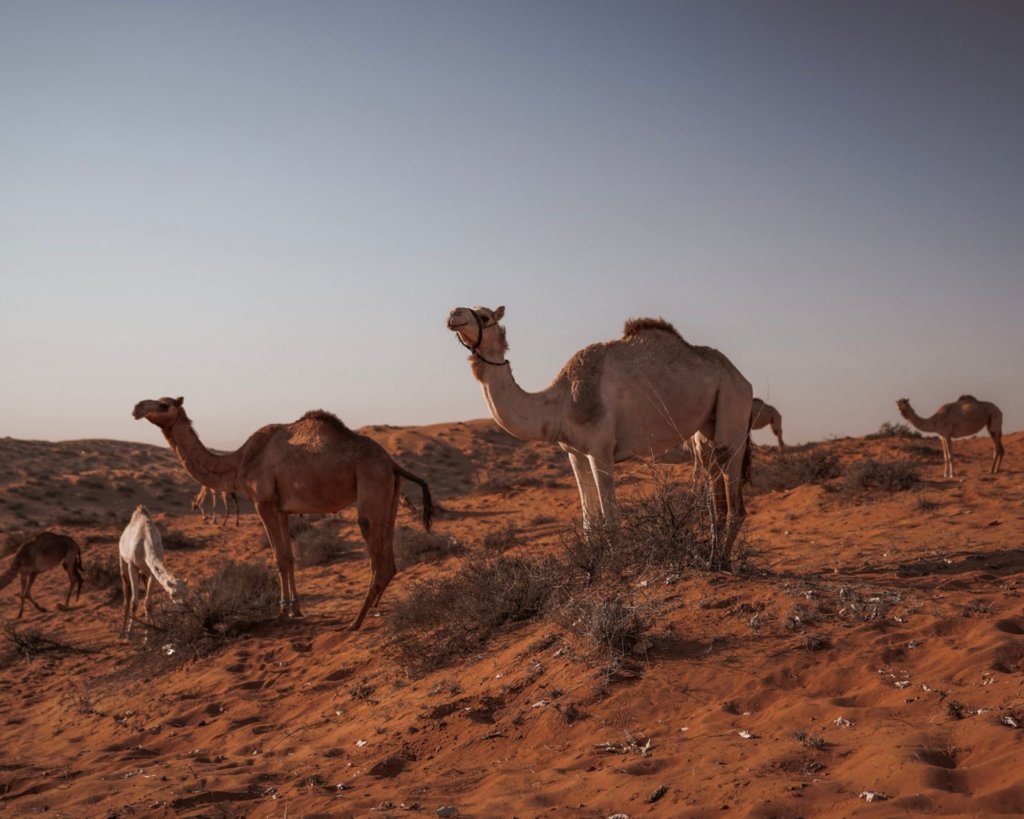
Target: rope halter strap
474, 348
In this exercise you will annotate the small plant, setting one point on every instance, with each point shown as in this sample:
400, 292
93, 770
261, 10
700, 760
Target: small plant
414, 545
808, 741
891, 476
816, 466
236, 597
503, 539
443, 618
608, 624
27, 644
316, 544
898, 430
103, 573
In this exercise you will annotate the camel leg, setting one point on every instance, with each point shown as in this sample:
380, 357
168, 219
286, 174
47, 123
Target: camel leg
68, 567
128, 592
276, 525
135, 580
145, 600
377, 524
997, 449
604, 476
589, 499
21, 611
947, 445
28, 590
234, 497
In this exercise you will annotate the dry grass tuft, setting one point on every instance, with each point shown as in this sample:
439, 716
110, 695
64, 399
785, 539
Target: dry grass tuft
414, 545
235, 598
891, 476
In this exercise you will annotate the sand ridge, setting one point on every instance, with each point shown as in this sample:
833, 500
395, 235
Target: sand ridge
878, 646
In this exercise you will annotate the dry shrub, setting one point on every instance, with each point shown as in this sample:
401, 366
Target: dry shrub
27, 644
816, 466
890, 430
892, 476
317, 543
503, 539
672, 528
414, 545
104, 574
440, 619
610, 625
235, 598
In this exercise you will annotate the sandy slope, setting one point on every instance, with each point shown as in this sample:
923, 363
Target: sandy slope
876, 645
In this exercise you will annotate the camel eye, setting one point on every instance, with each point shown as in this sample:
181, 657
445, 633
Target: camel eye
164, 406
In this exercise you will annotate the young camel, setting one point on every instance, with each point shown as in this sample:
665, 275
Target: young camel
39, 555
226, 498
631, 397
141, 555
313, 465
958, 419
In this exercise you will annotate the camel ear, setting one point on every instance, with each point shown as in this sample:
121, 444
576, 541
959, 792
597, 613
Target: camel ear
499, 313
179, 401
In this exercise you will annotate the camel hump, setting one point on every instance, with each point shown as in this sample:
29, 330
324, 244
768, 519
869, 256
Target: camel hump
967, 397
327, 417
635, 326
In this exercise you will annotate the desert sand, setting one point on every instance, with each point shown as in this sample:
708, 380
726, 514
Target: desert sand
872, 644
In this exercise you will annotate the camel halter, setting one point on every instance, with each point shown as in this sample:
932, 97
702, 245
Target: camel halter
475, 347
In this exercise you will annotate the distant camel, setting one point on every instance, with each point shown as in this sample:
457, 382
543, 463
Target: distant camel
766, 415
636, 396
313, 465
141, 555
762, 415
199, 503
965, 416
39, 555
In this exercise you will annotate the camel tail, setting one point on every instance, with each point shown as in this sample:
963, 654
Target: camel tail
428, 504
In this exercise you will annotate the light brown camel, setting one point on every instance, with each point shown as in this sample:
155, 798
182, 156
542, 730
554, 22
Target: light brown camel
631, 397
226, 498
965, 416
766, 415
313, 465
141, 557
41, 554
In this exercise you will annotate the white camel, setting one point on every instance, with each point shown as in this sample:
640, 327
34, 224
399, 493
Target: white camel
636, 396
142, 556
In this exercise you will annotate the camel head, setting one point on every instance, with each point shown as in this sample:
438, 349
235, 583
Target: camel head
163, 411
178, 590
903, 405
478, 330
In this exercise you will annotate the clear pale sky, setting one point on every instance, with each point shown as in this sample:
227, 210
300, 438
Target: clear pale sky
271, 207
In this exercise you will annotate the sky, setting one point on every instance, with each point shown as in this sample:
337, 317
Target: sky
269, 207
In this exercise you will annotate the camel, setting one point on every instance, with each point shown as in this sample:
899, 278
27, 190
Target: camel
631, 397
313, 465
141, 555
762, 415
958, 419
199, 503
766, 415
39, 555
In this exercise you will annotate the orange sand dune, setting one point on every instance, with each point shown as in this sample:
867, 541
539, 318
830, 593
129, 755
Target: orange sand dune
876, 644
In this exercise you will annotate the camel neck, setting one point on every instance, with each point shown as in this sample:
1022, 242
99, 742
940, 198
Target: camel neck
923, 424
532, 416
209, 469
